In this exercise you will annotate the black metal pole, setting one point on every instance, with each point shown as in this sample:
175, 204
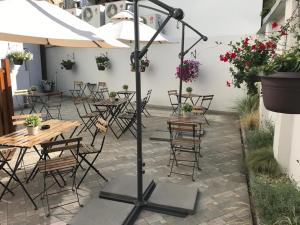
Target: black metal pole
181, 65
138, 104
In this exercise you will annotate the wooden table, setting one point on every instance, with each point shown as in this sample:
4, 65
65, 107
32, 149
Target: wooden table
193, 98
114, 108
193, 119
23, 141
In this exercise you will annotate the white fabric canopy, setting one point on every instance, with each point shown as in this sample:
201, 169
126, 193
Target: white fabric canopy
122, 28
39, 22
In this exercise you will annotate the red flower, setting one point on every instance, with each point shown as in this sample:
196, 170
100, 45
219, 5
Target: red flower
271, 44
248, 63
253, 47
228, 83
233, 55
283, 33
246, 41
262, 46
239, 49
274, 25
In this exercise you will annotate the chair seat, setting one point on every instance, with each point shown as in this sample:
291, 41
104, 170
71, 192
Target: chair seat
90, 115
7, 154
185, 141
60, 163
87, 149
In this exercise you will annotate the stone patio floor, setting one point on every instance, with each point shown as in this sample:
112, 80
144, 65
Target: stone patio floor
224, 196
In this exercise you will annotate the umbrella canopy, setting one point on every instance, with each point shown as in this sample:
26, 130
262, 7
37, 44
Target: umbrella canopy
121, 27
39, 22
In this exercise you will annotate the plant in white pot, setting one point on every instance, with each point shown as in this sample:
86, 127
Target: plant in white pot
32, 123
125, 87
18, 57
112, 96
186, 110
189, 90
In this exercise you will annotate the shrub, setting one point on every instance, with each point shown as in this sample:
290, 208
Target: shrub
250, 121
276, 200
248, 104
260, 138
187, 107
263, 161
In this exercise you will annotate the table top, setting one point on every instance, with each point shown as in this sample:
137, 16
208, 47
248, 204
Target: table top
39, 94
125, 92
21, 138
193, 119
108, 102
190, 95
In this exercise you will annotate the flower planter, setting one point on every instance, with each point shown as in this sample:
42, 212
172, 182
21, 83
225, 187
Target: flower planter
189, 93
112, 99
125, 90
100, 67
143, 69
186, 114
255, 79
18, 61
281, 92
68, 67
32, 130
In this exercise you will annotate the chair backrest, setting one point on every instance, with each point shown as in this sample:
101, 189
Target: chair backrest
102, 128
173, 96
104, 93
20, 119
149, 94
178, 127
80, 102
62, 145
101, 85
78, 85
21, 92
55, 97
206, 101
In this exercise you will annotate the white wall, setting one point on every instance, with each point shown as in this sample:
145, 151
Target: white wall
216, 19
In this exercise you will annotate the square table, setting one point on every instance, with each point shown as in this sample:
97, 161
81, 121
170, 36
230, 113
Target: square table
193, 98
114, 108
20, 139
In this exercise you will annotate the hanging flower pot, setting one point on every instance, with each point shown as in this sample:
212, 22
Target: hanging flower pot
18, 57
281, 92
188, 71
100, 67
102, 62
67, 64
18, 61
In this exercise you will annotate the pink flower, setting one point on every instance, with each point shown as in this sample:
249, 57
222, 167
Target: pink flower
274, 25
228, 83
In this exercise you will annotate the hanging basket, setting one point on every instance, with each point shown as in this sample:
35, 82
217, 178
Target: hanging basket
281, 92
143, 69
100, 66
18, 61
68, 66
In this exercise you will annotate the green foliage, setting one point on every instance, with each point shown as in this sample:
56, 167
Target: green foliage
288, 61
103, 60
187, 107
20, 55
263, 161
112, 94
67, 63
32, 121
277, 201
189, 89
125, 87
246, 105
260, 138
33, 88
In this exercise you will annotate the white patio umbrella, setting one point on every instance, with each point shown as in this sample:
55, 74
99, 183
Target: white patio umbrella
40, 22
121, 27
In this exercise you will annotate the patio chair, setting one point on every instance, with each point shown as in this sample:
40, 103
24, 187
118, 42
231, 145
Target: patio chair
53, 103
145, 111
205, 104
173, 97
6, 155
78, 90
62, 165
102, 93
184, 140
87, 151
87, 117
22, 99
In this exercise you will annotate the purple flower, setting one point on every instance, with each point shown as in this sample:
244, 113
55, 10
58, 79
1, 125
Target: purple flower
189, 71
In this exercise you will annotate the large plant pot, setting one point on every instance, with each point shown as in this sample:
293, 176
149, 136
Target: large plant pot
255, 79
32, 130
18, 61
100, 67
281, 92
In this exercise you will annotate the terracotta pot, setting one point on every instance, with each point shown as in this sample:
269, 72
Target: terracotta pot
281, 92
100, 67
32, 130
18, 61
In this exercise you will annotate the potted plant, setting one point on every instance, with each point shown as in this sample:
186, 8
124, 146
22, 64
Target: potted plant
47, 85
186, 110
144, 64
67, 64
32, 123
33, 88
189, 90
125, 87
189, 71
102, 62
18, 57
112, 96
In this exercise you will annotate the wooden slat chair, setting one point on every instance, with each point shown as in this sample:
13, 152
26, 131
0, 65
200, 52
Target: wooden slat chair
78, 90
54, 103
62, 165
22, 99
6, 155
204, 107
184, 139
173, 97
148, 96
102, 93
89, 150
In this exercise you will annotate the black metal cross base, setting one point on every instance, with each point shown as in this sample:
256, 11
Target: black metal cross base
118, 204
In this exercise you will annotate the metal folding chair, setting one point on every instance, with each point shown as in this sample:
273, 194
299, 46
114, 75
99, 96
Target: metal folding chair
62, 165
22, 99
89, 150
205, 104
87, 117
52, 104
145, 111
184, 138
78, 90
173, 97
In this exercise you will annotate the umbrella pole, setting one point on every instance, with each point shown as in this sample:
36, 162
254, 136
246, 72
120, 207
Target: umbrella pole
138, 105
181, 66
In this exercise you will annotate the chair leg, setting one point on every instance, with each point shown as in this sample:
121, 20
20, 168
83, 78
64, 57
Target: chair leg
45, 193
6, 189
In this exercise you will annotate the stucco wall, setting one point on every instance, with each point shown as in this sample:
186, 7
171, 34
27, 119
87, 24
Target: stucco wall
216, 19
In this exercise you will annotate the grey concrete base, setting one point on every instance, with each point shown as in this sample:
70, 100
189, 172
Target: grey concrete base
124, 188
174, 199
103, 212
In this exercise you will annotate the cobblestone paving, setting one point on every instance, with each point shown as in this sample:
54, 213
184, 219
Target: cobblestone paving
224, 197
